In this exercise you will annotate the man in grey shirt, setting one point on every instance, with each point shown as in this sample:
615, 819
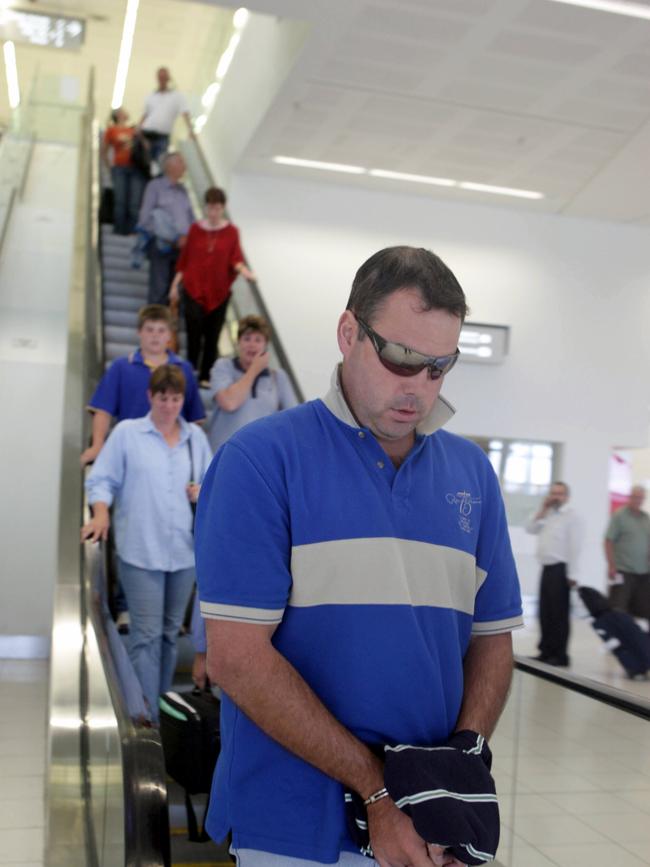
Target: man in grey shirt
166, 215
627, 548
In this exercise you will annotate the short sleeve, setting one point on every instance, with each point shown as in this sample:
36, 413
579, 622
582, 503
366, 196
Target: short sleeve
193, 409
497, 606
286, 394
222, 375
181, 264
613, 530
107, 394
243, 545
236, 255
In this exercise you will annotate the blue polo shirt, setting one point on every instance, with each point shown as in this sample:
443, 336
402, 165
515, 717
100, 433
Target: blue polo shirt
377, 578
122, 390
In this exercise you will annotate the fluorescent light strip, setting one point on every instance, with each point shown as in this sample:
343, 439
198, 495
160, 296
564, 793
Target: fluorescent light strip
316, 164
240, 18
11, 69
417, 179
500, 191
632, 10
126, 45
226, 58
405, 176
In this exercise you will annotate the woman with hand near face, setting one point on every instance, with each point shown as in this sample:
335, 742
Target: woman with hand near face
151, 469
245, 388
208, 265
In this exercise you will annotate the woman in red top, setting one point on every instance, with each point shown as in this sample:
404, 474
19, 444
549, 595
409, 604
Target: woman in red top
128, 180
208, 264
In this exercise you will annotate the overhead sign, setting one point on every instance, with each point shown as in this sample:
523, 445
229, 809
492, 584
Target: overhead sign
36, 28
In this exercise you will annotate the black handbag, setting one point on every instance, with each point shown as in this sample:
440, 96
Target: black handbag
141, 155
191, 739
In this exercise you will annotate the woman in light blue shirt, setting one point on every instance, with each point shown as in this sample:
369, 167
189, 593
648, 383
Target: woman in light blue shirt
151, 468
245, 388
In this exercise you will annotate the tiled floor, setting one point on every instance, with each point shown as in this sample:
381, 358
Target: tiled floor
589, 657
23, 709
573, 775
573, 778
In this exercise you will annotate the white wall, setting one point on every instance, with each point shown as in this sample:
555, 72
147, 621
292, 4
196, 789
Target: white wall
574, 292
267, 51
35, 275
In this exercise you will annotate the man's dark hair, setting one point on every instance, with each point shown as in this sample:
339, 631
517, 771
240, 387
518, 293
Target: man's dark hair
154, 313
167, 377
567, 490
215, 196
396, 268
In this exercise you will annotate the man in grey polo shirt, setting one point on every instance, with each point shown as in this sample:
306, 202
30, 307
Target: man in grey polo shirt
166, 215
627, 548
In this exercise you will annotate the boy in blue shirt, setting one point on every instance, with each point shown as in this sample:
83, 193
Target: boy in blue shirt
122, 390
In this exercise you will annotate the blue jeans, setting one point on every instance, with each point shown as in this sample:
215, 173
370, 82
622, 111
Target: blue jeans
128, 187
158, 145
157, 602
255, 858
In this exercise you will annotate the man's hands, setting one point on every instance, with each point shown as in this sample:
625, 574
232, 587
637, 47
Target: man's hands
439, 857
199, 671
193, 491
396, 843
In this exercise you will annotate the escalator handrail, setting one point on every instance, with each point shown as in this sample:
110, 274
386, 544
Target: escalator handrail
618, 698
72, 810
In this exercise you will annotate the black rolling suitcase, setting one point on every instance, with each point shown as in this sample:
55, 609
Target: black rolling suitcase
620, 632
189, 730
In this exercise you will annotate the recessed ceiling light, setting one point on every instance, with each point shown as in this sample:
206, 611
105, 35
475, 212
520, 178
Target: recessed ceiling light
500, 191
317, 164
130, 18
416, 179
633, 10
11, 71
406, 176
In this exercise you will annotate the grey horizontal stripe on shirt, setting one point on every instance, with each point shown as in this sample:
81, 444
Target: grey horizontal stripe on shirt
494, 627
384, 571
240, 613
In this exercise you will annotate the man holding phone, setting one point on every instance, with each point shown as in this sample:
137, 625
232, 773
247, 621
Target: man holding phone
558, 542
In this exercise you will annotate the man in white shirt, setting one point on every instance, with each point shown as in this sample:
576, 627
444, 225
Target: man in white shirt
558, 530
161, 108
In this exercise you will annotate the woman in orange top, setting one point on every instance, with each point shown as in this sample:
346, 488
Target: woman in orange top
208, 264
128, 180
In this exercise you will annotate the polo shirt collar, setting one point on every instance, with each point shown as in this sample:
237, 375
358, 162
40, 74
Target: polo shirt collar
136, 356
335, 401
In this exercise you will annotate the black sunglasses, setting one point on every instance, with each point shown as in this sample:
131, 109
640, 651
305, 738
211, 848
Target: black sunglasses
403, 361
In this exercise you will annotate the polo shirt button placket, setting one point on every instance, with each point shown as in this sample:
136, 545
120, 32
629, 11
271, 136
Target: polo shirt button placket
362, 435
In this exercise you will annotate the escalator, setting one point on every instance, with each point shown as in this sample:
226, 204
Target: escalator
109, 802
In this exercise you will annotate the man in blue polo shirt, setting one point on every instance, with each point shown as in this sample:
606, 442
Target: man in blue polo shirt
357, 581
122, 390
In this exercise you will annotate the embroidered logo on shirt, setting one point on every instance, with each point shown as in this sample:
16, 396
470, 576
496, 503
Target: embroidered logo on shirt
464, 500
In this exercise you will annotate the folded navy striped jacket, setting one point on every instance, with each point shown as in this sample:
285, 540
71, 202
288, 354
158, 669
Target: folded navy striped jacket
447, 791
